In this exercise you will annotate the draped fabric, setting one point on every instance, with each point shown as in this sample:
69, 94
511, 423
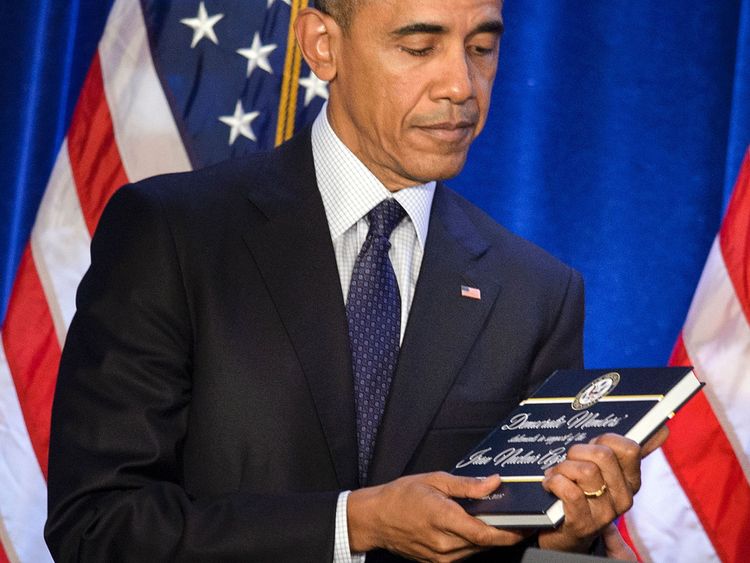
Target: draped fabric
615, 136
695, 501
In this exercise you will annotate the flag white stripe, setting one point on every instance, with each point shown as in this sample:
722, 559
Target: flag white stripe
60, 243
662, 522
147, 136
716, 335
717, 339
23, 490
149, 143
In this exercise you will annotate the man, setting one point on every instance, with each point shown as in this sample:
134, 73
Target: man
215, 399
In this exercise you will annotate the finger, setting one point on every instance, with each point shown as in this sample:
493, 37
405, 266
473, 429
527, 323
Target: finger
484, 536
616, 546
619, 488
580, 470
464, 487
431, 556
579, 523
457, 522
588, 477
656, 441
453, 556
428, 553
438, 543
445, 544
487, 536
628, 455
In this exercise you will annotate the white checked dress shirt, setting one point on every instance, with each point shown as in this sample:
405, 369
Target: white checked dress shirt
349, 191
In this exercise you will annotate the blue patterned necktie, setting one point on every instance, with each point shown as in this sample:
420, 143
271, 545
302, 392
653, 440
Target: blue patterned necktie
373, 309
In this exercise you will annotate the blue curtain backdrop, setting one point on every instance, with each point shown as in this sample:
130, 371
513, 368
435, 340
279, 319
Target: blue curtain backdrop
615, 136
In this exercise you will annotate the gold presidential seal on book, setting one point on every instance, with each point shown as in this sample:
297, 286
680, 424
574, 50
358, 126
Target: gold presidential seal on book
596, 390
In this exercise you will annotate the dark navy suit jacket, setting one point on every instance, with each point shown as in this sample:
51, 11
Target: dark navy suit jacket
204, 407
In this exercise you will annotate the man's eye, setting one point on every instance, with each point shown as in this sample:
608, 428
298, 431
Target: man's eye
417, 52
482, 51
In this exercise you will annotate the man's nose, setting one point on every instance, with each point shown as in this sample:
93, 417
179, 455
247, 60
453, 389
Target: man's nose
455, 79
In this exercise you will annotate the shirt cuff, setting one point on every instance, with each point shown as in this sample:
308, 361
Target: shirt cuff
341, 551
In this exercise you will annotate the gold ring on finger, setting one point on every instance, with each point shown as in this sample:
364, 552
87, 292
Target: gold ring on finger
597, 493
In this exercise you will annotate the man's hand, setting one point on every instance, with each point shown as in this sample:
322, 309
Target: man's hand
596, 483
415, 517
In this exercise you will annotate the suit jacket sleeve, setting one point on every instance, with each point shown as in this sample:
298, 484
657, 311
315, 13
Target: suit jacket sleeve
563, 346
120, 414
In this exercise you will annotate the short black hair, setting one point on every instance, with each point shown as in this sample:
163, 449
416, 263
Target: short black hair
342, 11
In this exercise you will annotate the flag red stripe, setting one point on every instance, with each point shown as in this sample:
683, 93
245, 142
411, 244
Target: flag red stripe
679, 355
33, 354
92, 148
734, 237
708, 471
622, 525
3, 557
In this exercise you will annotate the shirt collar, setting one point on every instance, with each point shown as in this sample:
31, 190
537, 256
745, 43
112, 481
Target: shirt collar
349, 190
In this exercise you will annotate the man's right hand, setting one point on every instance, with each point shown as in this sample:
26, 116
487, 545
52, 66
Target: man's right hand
416, 517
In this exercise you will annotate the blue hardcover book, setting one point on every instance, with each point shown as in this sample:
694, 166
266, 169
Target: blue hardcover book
571, 406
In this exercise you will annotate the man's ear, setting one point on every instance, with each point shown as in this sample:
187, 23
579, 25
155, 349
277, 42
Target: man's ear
315, 33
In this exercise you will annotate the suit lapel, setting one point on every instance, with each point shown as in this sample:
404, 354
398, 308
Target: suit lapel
442, 327
293, 252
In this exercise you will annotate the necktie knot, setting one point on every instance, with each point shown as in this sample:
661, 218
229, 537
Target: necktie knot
384, 217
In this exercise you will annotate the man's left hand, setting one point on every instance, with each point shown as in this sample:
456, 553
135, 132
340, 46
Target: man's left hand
596, 483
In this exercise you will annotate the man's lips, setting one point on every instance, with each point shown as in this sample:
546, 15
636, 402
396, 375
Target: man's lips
449, 125
453, 131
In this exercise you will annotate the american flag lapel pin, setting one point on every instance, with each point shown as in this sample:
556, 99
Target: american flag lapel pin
471, 292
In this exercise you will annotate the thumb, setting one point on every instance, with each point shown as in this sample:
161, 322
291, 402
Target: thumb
468, 487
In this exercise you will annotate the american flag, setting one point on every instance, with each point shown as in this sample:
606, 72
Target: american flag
471, 292
695, 502
173, 86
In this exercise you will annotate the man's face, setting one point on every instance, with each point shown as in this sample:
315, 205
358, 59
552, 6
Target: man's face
413, 83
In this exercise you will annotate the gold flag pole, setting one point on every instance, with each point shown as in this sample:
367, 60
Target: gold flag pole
290, 81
